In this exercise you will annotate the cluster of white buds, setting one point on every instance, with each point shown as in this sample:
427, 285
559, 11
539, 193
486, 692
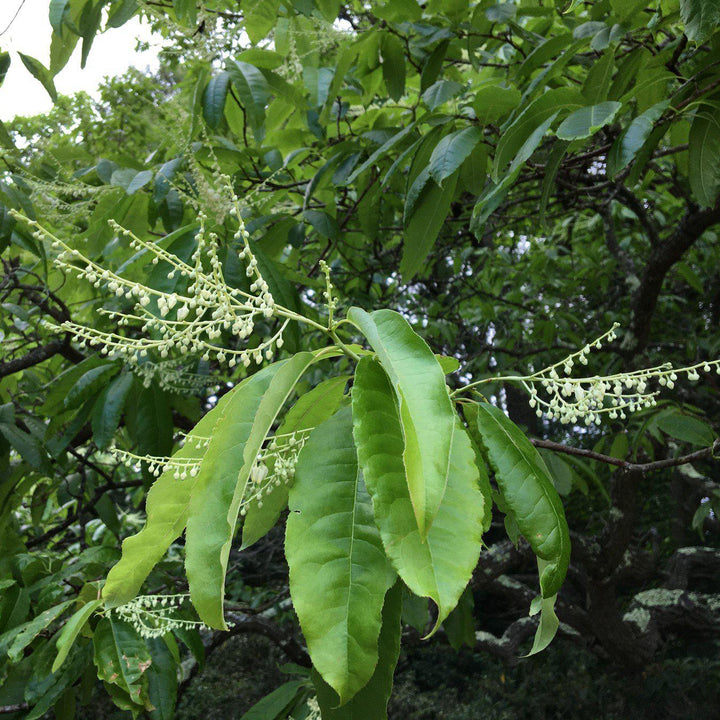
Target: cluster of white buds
189, 322
274, 466
182, 468
587, 399
153, 616
314, 709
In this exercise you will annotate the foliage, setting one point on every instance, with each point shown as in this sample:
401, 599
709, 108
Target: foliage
268, 286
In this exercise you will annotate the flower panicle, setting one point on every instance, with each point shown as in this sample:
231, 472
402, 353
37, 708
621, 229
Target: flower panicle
153, 616
189, 322
587, 399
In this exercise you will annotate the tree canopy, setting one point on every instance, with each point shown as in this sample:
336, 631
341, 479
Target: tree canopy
359, 323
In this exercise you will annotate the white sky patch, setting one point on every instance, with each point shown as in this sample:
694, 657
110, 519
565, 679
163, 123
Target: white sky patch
112, 54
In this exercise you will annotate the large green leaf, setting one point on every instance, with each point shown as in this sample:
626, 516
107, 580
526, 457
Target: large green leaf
528, 491
122, 658
427, 417
704, 155
253, 92
628, 143
372, 700
109, 408
425, 223
451, 151
393, 67
275, 704
221, 482
214, 99
89, 384
701, 18
30, 630
587, 121
167, 507
71, 630
440, 565
41, 73
310, 410
338, 571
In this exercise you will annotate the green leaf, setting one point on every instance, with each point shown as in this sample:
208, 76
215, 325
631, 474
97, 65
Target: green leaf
493, 102
440, 92
162, 678
109, 408
427, 416
4, 65
30, 450
549, 622
253, 92
186, 11
166, 507
71, 630
588, 120
628, 143
259, 18
325, 225
440, 565
89, 384
597, 83
57, 11
41, 73
532, 117
424, 225
214, 99
393, 65
686, 428
451, 151
371, 701
30, 630
222, 479
121, 657
433, 66
276, 703
338, 571
701, 18
528, 491
310, 410
704, 155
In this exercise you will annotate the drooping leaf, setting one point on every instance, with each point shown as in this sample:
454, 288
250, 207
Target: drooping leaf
371, 701
426, 413
459, 625
549, 622
451, 151
41, 73
338, 570
704, 155
4, 65
440, 565
630, 140
121, 657
214, 99
109, 408
259, 18
220, 486
527, 489
426, 221
310, 410
71, 630
393, 67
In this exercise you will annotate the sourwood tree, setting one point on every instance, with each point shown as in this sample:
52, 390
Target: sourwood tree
359, 323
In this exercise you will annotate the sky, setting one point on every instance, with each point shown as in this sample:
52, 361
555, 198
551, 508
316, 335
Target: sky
29, 33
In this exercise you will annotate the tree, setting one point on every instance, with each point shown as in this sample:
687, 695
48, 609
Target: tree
185, 274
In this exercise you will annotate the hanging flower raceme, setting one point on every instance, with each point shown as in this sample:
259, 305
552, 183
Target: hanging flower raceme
153, 616
182, 323
555, 393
